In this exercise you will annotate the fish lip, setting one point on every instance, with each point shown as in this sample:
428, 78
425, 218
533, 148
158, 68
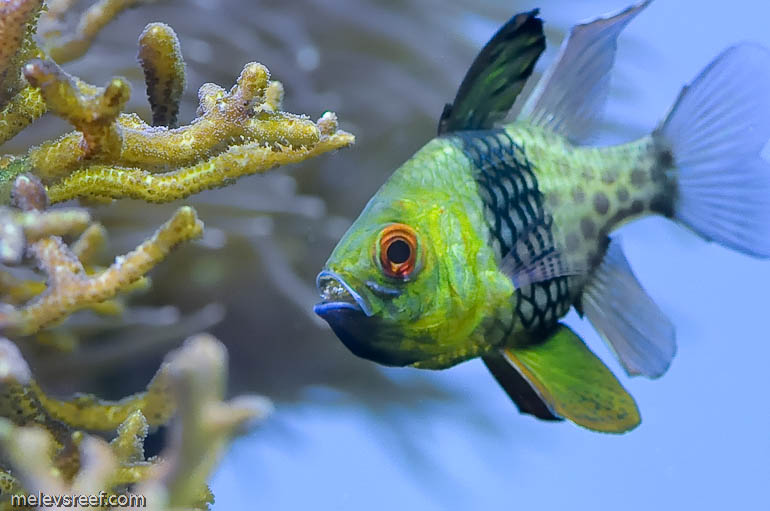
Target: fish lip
354, 303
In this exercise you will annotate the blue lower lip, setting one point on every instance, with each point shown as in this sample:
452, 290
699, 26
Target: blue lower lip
360, 304
322, 309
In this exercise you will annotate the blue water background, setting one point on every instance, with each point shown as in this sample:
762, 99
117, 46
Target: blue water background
704, 442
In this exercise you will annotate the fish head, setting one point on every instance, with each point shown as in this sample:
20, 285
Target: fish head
409, 282
370, 290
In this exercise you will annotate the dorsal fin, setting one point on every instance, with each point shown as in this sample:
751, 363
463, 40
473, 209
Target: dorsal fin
570, 96
496, 76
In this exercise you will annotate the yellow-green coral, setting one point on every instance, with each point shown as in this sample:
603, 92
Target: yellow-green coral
70, 288
164, 73
66, 47
21, 104
49, 453
237, 161
17, 26
113, 155
235, 121
94, 116
20, 111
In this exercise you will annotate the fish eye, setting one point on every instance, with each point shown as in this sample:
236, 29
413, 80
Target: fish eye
398, 251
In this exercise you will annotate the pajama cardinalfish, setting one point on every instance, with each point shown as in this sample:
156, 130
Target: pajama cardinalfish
489, 234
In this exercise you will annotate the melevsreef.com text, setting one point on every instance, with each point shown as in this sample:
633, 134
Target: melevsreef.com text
101, 499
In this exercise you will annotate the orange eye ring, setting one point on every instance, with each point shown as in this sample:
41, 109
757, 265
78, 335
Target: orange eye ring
398, 251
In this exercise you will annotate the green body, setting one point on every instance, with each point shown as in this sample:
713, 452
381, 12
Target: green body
462, 303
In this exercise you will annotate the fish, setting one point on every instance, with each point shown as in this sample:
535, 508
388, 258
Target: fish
481, 242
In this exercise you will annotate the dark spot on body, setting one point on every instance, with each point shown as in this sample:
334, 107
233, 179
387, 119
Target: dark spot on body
662, 204
666, 159
588, 227
636, 207
623, 194
601, 203
638, 177
578, 195
658, 175
608, 177
573, 242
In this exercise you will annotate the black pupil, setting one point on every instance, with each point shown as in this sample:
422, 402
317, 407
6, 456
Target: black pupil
399, 252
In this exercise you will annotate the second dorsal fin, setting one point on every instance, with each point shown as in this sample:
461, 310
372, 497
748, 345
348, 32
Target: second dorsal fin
496, 76
570, 96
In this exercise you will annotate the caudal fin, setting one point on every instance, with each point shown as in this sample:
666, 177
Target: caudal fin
715, 133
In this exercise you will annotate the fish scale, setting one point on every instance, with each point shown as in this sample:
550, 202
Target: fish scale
514, 205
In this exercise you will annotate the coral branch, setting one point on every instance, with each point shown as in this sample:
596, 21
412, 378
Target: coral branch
240, 160
94, 116
28, 193
204, 423
20, 111
195, 374
90, 243
128, 445
72, 46
274, 96
22, 227
225, 119
85, 411
13, 368
58, 222
17, 26
71, 289
164, 72
28, 105
18, 401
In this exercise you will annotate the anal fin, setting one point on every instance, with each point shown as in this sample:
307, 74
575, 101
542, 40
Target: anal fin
635, 328
572, 383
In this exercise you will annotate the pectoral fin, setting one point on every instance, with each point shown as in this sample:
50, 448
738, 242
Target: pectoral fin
496, 76
572, 383
536, 256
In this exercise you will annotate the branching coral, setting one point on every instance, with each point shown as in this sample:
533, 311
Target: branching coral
64, 47
114, 155
70, 288
117, 155
49, 256
48, 453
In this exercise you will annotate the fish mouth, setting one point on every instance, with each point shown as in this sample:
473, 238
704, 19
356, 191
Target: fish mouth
352, 320
337, 295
